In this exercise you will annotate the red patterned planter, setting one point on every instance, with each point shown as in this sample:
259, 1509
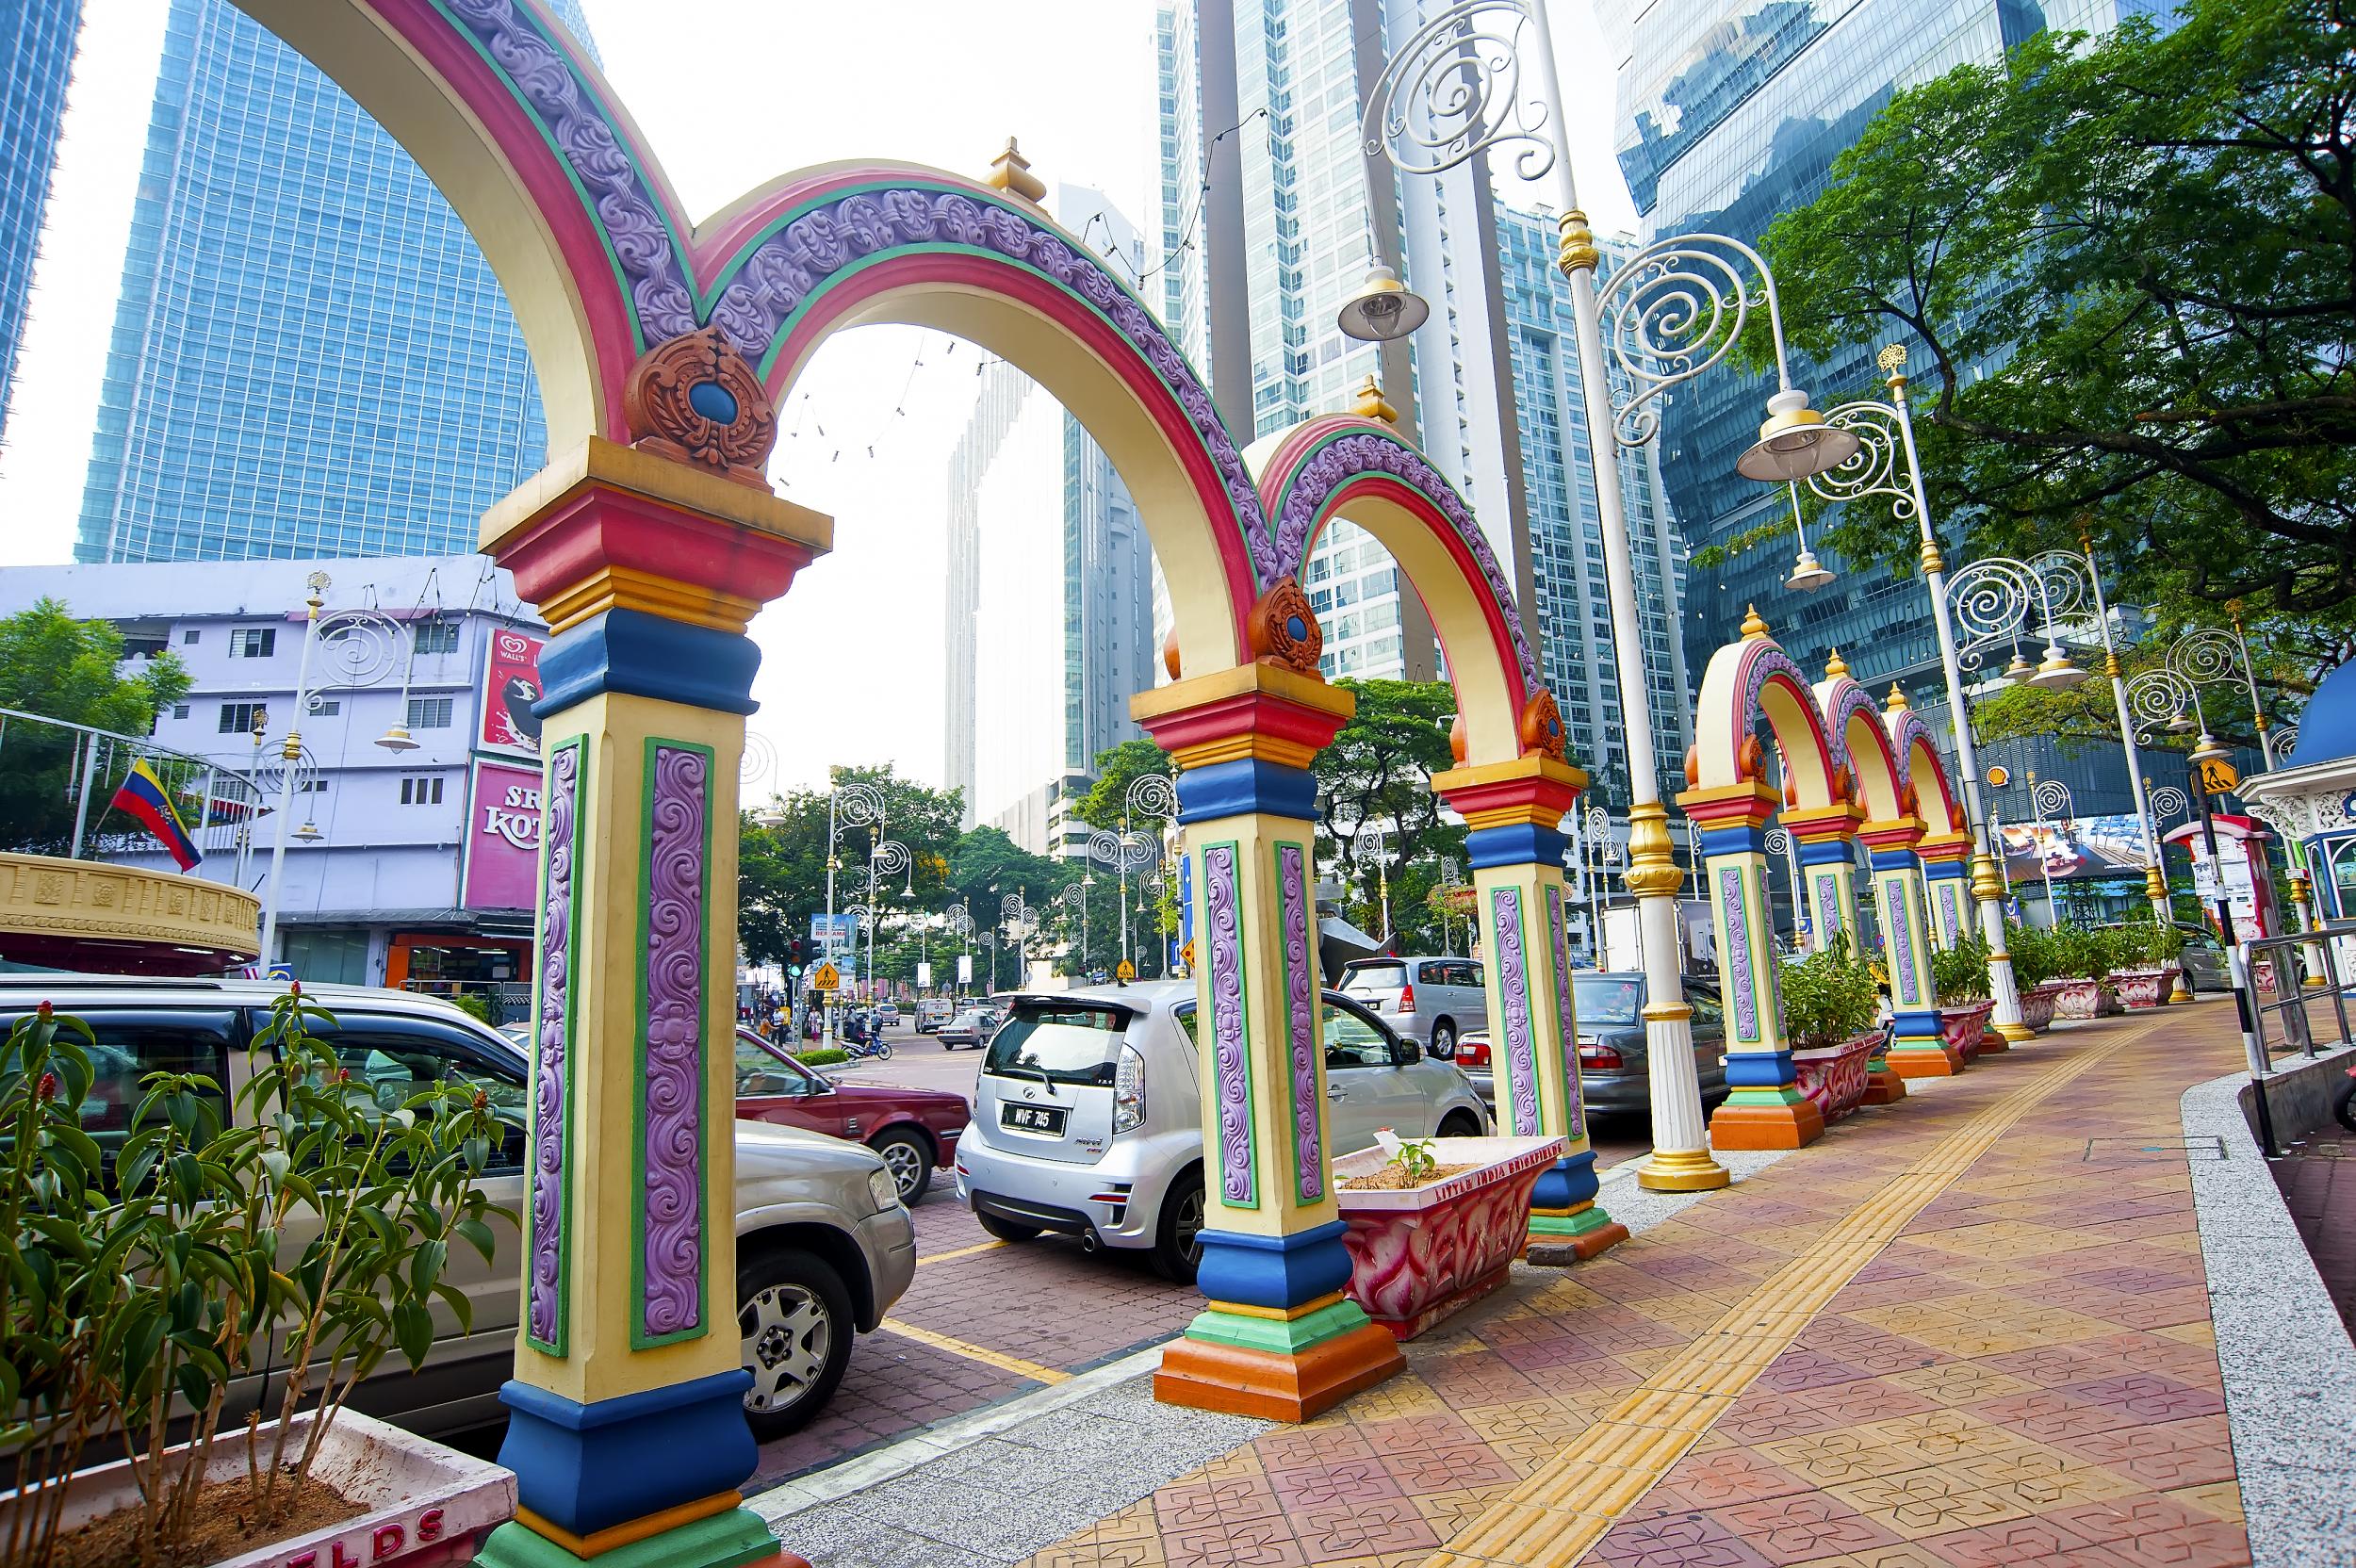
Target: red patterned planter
1419, 1253
2084, 999
1961, 1027
2140, 988
2038, 1002
1834, 1076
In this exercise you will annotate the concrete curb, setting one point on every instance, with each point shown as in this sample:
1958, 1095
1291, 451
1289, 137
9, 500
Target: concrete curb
2289, 1370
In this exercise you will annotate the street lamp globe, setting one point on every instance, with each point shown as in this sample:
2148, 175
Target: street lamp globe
2207, 749
1796, 443
397, 738
1384, 310
2057, 673
309, 832
2020, 671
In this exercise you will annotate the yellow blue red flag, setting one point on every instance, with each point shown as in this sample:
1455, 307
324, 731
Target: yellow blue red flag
143, 796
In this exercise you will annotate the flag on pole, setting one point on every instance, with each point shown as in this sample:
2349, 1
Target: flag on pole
143, 796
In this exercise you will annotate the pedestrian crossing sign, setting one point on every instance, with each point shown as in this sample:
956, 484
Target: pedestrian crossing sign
1126, 972
827, 979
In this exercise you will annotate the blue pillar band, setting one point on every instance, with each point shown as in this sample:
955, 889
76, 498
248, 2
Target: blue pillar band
1568, 1181
1826, 852
585, 1468
1893, 859
1241, 788
1277, 1273
1760, 1070
1738, 839
1521, 843
631, 652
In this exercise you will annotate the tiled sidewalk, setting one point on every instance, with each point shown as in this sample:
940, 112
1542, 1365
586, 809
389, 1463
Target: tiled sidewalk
1966, 1330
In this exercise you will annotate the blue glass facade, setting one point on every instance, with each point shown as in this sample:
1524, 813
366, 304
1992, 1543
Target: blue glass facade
36, 59
310, 356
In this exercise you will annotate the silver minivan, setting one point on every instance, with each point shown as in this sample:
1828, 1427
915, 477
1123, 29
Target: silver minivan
1087, 1115
1435, 1001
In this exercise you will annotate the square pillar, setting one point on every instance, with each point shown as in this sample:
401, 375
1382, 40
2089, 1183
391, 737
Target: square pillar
627, 1422
1515, 844
1277, 1338
1916, 1049
1766, 1109
1947, 884
1825, 840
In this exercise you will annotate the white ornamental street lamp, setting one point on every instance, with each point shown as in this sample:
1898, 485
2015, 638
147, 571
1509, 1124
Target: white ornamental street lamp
1020, 920
1075, 898
1122, 851
888, 858
2050, 799
847, 806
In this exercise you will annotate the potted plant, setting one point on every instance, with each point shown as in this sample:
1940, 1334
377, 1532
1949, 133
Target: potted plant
1960, 976
1435, 1223
144, 1285
2035, 954
1831, 1008
2143, 961
2081, 961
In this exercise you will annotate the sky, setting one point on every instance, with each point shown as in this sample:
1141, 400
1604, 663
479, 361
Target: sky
852, 655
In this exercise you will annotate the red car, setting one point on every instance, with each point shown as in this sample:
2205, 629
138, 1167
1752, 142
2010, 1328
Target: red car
914, 1130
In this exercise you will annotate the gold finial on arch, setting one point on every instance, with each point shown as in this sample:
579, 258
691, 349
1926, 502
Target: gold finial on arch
1370, 404
1754, 625
1836, 666
1010, 171
1896, 702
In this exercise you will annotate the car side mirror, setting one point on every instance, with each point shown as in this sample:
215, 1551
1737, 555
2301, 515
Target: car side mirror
1409, 1053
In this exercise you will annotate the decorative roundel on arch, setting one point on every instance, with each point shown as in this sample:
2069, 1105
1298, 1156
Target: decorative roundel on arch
1744, 681
1320, 464
1881, 780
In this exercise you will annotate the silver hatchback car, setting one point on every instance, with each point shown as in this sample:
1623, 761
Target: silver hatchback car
1087, 1115
1433, 1002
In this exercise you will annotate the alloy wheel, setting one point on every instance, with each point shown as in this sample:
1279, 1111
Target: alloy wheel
787, 1335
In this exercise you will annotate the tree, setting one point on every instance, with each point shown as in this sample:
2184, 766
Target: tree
2133, 265
781, 865
1117, 768
1379, 771
61, 668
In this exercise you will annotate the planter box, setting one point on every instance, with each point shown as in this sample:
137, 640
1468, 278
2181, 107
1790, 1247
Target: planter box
2037, 1004
1419, 1253
2084, 999
1834, 1076
426, 1506
1962, 1027
2140, 988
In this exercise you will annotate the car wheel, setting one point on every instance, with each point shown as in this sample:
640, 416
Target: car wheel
1460, 1124
1178, 1241
911, 1167
793, 1318
1443, 1039
1007, 1229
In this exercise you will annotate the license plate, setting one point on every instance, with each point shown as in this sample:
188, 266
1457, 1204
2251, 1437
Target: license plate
1033, 1119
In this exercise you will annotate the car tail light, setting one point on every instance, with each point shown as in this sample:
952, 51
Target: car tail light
1603, 1058
1472, 1052
1407, 999
1129, 1090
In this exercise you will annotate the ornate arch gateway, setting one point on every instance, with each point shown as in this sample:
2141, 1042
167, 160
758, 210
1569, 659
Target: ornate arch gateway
650, 542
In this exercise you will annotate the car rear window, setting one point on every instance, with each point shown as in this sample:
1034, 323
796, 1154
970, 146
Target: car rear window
1374, 977
1062, 1043
1607, 999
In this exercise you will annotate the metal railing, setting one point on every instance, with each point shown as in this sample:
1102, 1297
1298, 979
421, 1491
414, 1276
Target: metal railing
217, 799
2295, 1000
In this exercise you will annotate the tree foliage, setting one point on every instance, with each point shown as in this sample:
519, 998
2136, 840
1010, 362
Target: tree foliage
1379, 771
2133, 265
61, 668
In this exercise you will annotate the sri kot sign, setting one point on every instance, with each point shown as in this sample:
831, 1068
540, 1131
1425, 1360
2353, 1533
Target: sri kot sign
502, 847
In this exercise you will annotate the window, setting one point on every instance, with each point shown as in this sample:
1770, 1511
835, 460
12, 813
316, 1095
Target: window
1709, 1017
179, 710
429, 712
327, 707
1352, 1041
421, 791
189, 638
252, 642
760, 1069
132, 1045
438, 636
240, 718
396, 1058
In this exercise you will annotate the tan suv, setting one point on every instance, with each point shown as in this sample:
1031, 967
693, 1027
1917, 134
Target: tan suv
823, 1246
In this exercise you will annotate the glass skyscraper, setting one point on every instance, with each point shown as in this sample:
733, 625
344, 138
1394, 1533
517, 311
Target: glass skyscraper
36, 59
310, 356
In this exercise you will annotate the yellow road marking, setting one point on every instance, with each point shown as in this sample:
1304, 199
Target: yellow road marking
1015, 1365
961, 1252
1553, 1518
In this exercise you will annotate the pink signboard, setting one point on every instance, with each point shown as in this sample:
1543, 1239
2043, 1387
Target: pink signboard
502, 838
511, 684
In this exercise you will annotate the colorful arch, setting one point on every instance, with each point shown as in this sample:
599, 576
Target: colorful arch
1745, 681
1853, 725
1939, 806
1322, 467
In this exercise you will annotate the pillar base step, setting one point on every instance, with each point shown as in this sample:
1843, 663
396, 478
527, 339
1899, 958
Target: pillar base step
1938, 1062
737, 1538
1552, 1249
1884, 1085
2006, 1036
1793, 1125
1241, 1381
1682, 1170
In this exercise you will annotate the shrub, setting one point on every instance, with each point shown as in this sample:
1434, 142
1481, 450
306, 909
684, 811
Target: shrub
1961, 972
2079, 954
821, 1055
2036, 952
1829, 999
2143, 943
474, 1005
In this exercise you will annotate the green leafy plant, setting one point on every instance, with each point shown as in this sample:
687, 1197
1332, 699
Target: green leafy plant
474, 1005
2035, 954
1828, 998
1416, 1160
2143, 943
2079, 954
821, 1055
1961, 972
313, 1227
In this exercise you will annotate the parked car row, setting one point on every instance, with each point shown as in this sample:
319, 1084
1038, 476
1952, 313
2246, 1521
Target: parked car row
1614, 1064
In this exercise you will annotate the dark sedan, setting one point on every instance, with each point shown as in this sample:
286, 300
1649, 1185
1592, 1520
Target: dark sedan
914, 1130
1614, 1071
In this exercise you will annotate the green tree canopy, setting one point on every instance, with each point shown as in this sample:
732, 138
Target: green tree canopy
2132, 264
781, 859
61, 668
1379, 771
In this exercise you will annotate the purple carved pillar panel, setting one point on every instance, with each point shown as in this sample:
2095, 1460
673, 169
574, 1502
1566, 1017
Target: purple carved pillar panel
672, 1120
545, 1318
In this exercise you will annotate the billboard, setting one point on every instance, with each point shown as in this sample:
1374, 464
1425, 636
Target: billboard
511, 684
844, 937
502, 869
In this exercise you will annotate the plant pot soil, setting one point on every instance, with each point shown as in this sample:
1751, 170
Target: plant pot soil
1418, 1253
2037, 1003
413, 1504
1836, 1077
2142, 988
1394, 1178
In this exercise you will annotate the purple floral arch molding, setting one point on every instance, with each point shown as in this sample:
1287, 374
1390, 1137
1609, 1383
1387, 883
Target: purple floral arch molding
1844, 703
526, 120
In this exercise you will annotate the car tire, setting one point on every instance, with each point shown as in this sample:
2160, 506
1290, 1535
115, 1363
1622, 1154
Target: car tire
1443, 1039
1178, 1237
793, 1322
910, 1164
1014, 1233
1459, 1124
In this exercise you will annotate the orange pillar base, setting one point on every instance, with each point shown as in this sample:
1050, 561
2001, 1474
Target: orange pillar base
1992, 1041
1553, 1250
1240, 1381
1945, 1062
1884, 1087
1792, 1125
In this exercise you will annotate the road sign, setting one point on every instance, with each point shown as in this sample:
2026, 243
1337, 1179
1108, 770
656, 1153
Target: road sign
1185, 954
1126, 972
827, 979
2218, 775
281, 971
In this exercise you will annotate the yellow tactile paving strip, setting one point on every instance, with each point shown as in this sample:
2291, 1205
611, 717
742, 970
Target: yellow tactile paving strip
1553, 1518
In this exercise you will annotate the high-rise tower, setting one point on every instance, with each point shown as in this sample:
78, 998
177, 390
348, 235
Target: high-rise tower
310, 356
36, 59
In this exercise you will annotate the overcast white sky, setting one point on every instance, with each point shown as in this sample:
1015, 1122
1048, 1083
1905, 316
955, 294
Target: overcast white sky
852, 655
